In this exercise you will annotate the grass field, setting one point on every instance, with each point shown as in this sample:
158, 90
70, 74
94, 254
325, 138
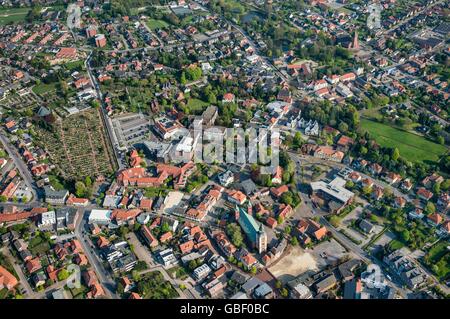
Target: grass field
196, 105
411, 146
439, 257
13, 15
156, 24
44, 88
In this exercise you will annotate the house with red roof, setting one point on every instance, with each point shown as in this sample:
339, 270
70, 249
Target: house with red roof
424, 194
165, 237
228, 98
33, 265
277, 192
236, 197
435, 219
7, 280
271, 222
148, 237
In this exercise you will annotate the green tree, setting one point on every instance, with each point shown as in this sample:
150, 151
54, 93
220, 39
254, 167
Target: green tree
63, 274
80, 189
335, 221
395, 154
430, 208
405, 236
294, 241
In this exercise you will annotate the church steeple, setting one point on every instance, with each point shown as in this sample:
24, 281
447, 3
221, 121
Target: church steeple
355, 42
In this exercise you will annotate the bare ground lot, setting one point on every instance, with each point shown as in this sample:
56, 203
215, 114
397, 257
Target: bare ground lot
298, 260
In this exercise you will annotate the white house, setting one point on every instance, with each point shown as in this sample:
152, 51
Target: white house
47, 219
100, 216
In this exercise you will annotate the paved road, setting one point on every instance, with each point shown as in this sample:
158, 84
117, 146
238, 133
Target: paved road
94, 260
30, 294
107, 123
21, 166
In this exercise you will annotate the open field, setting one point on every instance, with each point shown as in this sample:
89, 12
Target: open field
13, 15
78, 146
156, 24
411, 146
196, 105
44, 88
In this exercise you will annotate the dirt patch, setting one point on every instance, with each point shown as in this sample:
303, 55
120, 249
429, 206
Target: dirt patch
294, 263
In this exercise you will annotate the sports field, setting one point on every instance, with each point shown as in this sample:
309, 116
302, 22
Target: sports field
412, 147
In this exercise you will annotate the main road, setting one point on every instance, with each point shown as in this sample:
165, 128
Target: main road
103, 276
21, 166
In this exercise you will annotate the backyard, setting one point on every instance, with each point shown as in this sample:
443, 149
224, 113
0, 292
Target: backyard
153, 286
438, 259
411, 146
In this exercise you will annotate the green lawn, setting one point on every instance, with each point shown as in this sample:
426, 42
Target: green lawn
13, 15
44, 88
38, 246
413, 147
74, 65
438, 258
156, 24
196, 105
395, 244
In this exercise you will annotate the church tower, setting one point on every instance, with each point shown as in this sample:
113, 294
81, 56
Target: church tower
355, 42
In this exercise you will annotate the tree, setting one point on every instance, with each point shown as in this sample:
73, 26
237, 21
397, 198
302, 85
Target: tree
3, 198
63, 274
183, 80
278, 284
335, 221
193, 264
287, 230
294, 241
343, 127
88, 181
286, 198
430, 208
80, 189
395, 154
280, 220
165, 227
297, 140
234, 231
405, 236
437, 188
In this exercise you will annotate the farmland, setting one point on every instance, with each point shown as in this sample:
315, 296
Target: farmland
412, 147
78, 145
